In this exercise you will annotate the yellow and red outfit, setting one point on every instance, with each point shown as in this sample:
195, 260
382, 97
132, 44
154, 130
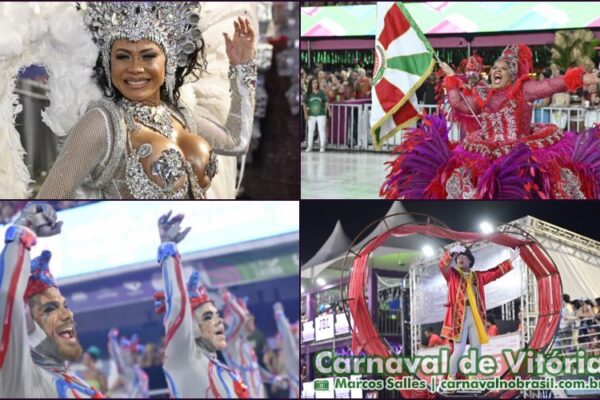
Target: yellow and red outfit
467, 286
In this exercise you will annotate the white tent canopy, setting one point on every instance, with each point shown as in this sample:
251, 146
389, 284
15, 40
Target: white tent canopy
577, 258
336, 244
407, 242
326, 258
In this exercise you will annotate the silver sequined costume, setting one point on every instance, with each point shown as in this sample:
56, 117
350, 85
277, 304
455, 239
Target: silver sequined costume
94, 160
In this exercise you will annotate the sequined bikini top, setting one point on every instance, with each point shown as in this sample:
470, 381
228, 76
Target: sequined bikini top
169, 167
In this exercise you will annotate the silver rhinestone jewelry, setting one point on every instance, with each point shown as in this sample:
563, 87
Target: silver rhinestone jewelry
169, 167
145, 150
511, 55
155, 118
212, 166
173, 26
247, 71
141, 187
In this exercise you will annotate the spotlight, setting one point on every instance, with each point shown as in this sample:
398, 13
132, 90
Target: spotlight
486, 227
427, 250
301, 289
321, 282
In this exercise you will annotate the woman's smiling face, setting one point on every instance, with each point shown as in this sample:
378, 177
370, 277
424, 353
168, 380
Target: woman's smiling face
138, 70
500, 75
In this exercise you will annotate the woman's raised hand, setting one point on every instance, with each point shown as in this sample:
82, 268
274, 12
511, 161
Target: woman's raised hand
241, 48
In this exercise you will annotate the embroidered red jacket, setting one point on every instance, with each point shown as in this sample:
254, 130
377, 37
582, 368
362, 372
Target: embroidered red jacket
457, 294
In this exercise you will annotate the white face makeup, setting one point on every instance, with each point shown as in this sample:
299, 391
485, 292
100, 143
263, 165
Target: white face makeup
463, 262
212, 328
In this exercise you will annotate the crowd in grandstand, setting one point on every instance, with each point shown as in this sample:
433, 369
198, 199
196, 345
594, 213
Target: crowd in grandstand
342, 84
579, 327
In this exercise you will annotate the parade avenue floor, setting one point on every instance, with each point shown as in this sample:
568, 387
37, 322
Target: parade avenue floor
342, 175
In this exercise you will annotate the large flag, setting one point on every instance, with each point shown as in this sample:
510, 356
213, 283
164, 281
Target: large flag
403, 60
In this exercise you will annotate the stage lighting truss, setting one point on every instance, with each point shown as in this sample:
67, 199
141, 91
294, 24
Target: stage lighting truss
541, 299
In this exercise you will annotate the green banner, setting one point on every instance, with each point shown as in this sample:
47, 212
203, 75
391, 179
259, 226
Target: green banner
248, 267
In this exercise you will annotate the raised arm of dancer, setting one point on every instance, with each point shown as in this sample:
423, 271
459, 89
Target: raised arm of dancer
239, 316
115, 350
501, 269
446, 260
290, 348
572, 80
179, 338
16, 365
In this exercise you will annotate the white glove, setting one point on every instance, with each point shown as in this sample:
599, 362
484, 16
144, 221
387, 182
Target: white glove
457, 249
514, 255
40, 218
170, 229
278, 307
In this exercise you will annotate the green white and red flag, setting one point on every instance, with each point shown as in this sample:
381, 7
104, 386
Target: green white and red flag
403, 60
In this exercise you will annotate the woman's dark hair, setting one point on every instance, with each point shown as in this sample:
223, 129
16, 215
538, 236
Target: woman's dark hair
196, 65
310, 88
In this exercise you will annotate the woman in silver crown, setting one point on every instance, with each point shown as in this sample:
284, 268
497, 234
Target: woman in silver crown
141, 141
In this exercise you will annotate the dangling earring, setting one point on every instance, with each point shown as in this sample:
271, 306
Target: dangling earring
106, 63
170, 80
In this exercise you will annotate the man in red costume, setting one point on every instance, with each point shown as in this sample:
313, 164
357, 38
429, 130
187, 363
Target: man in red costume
466, 313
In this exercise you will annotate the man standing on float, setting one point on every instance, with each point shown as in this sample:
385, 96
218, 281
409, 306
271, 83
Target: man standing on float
466, 313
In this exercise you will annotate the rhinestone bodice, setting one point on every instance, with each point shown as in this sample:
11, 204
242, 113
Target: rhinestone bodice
502, 118
164, 162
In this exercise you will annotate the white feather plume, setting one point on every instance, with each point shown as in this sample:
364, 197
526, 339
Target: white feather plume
50, 34
53, 34
212, 90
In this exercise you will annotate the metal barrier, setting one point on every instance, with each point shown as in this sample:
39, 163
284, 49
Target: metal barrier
390, 322
349, 124
575, 119
349, 127
585, 337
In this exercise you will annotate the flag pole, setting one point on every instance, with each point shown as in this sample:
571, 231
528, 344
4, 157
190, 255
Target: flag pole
461, 94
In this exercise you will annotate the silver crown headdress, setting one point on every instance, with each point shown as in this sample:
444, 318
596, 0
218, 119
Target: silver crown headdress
171, 25
511, 56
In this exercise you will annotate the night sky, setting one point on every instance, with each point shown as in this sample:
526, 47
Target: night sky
318, 217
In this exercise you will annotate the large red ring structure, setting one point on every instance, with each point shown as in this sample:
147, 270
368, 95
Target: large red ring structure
365, 336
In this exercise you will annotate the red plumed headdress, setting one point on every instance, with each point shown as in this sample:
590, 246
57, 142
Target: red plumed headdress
519, 59
473, 64
196, 293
